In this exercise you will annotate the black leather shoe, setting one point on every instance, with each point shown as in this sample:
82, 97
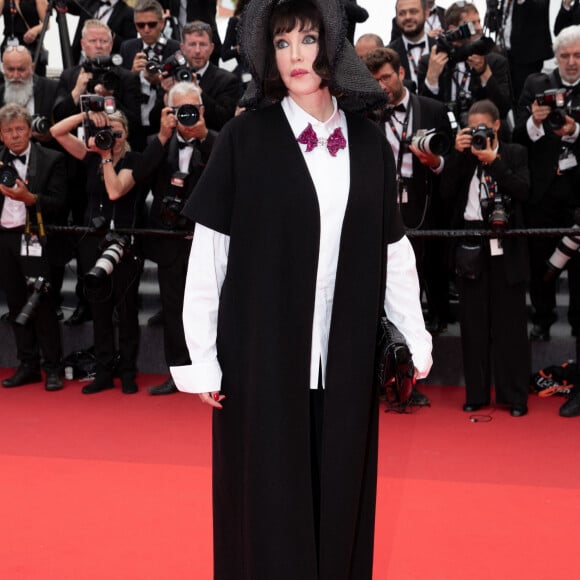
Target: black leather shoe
571, 408
22, 376
540, 332
81, 314
436, 326
101, 383
128, 385
53, 381
519, 411
472, 407
167, 388
419, 399
156, 319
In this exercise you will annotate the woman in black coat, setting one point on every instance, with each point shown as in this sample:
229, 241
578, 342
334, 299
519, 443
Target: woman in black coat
295, 217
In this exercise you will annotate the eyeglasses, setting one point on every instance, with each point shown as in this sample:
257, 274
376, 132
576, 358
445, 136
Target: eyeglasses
383, 79
141, 25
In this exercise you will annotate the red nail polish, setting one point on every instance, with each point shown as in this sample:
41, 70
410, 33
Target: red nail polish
216, 396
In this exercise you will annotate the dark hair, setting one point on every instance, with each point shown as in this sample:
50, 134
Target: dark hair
424, 5
196, 27
455, 13
484, 107
284, 18
149, 6
240, 5
377, 58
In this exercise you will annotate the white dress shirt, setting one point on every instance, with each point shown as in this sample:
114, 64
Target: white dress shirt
208, 265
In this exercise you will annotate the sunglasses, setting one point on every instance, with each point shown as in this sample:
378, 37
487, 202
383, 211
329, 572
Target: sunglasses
141, 25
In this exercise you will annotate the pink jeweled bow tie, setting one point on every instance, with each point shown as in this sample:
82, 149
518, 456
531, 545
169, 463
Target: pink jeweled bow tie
335, 142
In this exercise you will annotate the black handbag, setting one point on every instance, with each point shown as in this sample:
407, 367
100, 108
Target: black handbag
395, 372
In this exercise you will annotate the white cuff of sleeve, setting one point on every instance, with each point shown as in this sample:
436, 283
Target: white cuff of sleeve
534, 133
198, 378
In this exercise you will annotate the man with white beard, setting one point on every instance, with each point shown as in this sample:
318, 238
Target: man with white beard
20, 85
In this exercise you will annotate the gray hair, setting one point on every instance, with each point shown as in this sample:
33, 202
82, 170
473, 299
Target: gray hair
149, 6
12, 112
569, 35
181, 89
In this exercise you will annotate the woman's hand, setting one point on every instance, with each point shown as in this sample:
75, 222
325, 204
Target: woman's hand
212, 399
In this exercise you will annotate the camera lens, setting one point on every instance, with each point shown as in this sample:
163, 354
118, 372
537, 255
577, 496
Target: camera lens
8, 176
187, 115
104, 139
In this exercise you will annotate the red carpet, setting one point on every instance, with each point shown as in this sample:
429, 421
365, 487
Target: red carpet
117, 487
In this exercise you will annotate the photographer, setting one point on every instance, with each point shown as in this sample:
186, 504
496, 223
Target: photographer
546, 125
176, 159
143, 57
418, 168
112, 265
32, 189
460, 72
486, 181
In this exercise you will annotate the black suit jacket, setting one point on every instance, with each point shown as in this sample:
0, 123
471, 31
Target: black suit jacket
530, 39
121, 22
44, 92
398, 46
396, 32
159, 164
424, 185
48, 180
221, 92
497, 89
543, 153
510, 171
127, 98
567, 18
129, 48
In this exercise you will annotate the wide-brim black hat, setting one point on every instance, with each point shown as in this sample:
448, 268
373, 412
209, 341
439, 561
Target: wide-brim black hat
351, 82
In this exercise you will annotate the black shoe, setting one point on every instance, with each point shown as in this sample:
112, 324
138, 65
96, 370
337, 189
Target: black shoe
53, 381
519, 411
5, 317
540, 332
472, 407
59, 314
167, 388
156, 319
81, 314
101, 383
436, 326
571, 408
128, 385
419, 399
23, 376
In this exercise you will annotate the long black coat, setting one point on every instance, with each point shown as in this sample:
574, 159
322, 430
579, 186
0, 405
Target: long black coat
257, 189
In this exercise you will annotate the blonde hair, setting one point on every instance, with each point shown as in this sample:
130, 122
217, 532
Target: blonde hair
120, 117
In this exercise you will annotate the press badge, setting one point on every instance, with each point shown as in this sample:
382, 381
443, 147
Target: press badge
567, 160
12, 41
495, 247
403, 193
30, 246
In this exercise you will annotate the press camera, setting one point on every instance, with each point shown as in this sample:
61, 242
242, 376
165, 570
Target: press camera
565, 250
172, 204
104, 71
114, 246
187, 115
37, 287
431, 141
8, 175
556, 100
175, 66
104, 136
480, 135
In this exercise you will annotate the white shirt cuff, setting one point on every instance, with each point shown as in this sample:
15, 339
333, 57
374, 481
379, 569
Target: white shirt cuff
205, 377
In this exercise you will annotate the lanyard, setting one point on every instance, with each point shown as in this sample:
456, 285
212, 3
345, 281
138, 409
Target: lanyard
402, 138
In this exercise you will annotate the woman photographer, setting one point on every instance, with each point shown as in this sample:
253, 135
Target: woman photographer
486, 182
114, 201
295, 216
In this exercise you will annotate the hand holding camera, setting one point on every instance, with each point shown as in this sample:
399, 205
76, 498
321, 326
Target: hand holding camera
13, 187
481, 141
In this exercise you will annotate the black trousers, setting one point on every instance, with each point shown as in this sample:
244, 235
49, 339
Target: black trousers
496, 350
41, 335
118, 293
172, 276
552, 211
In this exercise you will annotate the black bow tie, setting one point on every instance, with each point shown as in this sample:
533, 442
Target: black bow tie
12, 157
411, 46
184, 144
104, 3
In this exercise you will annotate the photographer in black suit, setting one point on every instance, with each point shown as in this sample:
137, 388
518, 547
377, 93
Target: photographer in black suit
142, 56
176, 160
220, 88
487, 181
116, 14
37, 193
550, 134
449, 75
434, 23
418, 172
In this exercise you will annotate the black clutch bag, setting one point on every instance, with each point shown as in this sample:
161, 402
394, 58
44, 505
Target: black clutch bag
395, 371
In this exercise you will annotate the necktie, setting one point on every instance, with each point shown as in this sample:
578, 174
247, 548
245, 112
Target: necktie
335, 142
411, 46
12, 157
184, 144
